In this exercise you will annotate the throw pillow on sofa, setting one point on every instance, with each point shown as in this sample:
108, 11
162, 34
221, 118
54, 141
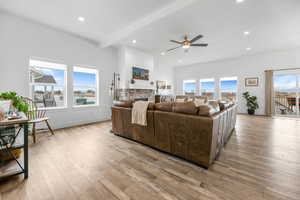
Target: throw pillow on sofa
214, 104
199, 102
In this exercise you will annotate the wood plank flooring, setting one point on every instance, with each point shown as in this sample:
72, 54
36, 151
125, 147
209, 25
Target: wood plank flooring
261, 161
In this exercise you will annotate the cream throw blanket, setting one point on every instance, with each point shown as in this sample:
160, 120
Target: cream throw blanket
139, 113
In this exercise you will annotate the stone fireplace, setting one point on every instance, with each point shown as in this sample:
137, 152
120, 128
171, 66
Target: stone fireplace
136, 94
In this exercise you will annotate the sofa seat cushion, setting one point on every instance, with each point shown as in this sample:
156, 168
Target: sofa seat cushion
124, 104
185, 108
164, 106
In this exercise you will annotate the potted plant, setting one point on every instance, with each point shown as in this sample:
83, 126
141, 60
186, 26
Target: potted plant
18, 102
252, 104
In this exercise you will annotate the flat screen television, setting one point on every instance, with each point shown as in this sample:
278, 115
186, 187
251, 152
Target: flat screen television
140, 74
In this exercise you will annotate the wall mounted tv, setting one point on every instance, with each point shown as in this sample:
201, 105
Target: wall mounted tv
140, 74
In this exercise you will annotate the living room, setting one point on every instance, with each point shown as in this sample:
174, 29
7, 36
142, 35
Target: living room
149, 99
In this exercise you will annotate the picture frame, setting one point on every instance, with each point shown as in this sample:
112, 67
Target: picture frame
252, 82
140, 74
161, 85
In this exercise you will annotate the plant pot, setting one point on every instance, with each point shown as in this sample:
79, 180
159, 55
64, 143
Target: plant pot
251, 112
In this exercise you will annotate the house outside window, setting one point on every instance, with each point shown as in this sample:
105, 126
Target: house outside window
48, 84
85, 86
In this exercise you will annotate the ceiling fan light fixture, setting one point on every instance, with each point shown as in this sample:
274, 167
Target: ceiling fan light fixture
186, 45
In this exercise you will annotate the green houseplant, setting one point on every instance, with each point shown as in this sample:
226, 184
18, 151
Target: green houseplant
252, 104
17, 101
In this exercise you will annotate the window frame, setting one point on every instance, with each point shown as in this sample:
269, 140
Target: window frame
40, 63
208, 80
228, 79
189, 81
87, 70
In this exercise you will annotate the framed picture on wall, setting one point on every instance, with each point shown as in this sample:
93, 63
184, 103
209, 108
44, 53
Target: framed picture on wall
161, 85
140, 74
251, 82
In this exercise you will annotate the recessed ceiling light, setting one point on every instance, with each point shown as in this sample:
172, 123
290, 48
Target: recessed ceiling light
162, 53
239, 1
246, 33
248, 49
81, 19
180, 61
133, 41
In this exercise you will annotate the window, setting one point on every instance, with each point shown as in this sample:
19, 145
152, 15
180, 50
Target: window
207, 88
189, 87
48, 84
228, 88
85, 86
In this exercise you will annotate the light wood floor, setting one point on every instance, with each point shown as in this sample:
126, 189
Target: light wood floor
261, 161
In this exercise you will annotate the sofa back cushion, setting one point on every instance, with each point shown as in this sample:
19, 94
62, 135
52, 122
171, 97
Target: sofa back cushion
164, 106
151, 106
207, 110
124, 104
199, 102
185, 108
180, 98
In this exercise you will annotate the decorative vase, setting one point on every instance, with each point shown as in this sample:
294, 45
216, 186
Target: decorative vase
251, 112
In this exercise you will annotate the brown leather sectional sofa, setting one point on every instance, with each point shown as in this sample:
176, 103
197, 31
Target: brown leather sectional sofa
194, 133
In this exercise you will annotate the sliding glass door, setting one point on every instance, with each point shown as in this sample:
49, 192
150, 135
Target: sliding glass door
286, 93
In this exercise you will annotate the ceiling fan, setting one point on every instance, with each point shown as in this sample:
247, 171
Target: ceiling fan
186, 44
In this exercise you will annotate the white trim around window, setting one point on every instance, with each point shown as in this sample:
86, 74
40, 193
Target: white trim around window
48, 84
85, 87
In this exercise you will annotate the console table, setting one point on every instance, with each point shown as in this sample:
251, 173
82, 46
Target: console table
10, 141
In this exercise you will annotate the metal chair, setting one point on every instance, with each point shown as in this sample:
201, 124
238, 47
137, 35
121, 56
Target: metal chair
35, 116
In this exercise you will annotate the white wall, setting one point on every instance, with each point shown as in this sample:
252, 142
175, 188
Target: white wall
21, 39
242, 67
164, 73
129, 57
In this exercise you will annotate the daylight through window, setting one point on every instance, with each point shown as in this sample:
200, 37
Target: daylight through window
48, 84
207, 88
189, 87
85, 86
228, 88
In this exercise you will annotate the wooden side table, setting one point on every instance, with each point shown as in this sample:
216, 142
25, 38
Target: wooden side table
11, 142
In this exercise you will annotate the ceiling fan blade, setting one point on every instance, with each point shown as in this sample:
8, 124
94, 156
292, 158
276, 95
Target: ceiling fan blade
175, 41
196, 38
174, 48
199, 45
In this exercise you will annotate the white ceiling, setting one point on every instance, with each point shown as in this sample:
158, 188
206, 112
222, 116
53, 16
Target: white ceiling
102, 17
274, 24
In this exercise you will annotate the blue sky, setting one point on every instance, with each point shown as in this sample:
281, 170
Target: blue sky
285, 82
79, 79
84, 79
189, 87
226, 86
